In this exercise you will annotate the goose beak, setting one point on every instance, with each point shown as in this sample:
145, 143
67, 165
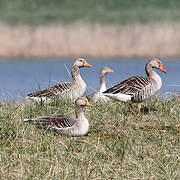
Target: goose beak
88, 104
86, 64
109, 71
161, 68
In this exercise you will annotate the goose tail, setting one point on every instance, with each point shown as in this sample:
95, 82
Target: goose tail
119, 96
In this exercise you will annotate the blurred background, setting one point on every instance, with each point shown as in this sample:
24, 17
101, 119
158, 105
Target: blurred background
40, 38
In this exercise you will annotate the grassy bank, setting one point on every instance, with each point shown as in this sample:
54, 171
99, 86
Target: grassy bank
43, 12
118, 146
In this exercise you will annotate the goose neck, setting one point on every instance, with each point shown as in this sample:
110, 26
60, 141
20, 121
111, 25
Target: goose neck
79, 112
102, 83
152, 74
75, 72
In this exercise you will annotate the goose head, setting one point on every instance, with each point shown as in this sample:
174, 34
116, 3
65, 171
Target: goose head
106, 70
82, 101
156, 63
80, 62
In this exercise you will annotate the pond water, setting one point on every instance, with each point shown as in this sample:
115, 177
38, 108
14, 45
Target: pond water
20, 77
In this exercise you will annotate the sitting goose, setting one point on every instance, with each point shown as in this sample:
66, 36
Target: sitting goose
137, 89
98, 95
65, 124
66, 90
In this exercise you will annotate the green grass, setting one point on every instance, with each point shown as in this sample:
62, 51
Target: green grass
118, 146
44, 12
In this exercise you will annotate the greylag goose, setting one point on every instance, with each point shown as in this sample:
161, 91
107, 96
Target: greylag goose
137, 89
65, 90
65, 124
98, 95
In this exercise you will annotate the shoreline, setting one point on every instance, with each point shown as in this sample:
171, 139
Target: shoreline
90, 41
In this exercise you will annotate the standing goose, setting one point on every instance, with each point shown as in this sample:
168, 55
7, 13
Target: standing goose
137, 89
65, 124
98, 95
65, 90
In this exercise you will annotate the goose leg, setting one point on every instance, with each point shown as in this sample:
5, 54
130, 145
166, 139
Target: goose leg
130, 107
139, 109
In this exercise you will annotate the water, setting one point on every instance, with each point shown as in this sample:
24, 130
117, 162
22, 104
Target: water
18, 78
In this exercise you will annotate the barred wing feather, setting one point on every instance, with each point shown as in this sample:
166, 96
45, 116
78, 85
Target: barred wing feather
58, 89
138, 87
55, 122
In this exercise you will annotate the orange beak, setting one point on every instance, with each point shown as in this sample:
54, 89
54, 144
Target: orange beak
109, 71
87, 65
89, 104
161, 68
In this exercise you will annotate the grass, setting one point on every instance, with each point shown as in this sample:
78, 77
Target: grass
38, 12
118, 145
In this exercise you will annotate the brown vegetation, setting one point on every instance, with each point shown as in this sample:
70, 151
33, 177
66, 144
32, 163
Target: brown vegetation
91, 41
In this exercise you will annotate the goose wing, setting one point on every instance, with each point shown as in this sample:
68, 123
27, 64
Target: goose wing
138, 87
59, 88
58, 122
